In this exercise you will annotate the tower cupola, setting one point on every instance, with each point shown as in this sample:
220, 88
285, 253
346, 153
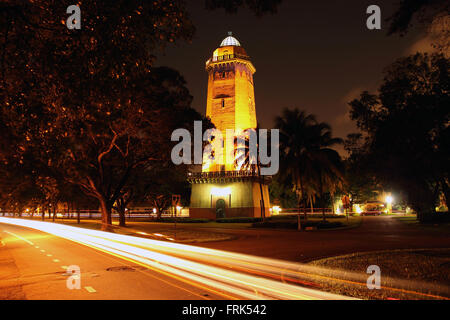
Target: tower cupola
230, 41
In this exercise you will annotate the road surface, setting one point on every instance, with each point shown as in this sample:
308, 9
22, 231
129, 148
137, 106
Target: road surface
35, 257
33, 266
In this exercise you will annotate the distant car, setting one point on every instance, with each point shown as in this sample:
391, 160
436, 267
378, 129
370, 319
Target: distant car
373, 208
371, 213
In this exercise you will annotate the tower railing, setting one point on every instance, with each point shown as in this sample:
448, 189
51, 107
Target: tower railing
220, 174
243, 174
226, 57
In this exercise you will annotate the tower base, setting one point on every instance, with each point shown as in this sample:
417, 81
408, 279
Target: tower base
227, 195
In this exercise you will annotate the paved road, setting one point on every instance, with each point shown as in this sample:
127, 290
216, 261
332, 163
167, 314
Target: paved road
32, 262
34, 257
374, 233
32, 267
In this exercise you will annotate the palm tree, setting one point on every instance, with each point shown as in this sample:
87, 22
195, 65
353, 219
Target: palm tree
306, 155
245, 161
328, 166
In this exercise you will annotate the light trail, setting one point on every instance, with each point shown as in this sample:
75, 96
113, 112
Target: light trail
240, 275
219, 279
19, 237
280, 269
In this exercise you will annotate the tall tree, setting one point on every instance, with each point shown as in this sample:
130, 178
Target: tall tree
306, 155
280, 191
406, 126
87, 103
360, 171
433, 15
416, 11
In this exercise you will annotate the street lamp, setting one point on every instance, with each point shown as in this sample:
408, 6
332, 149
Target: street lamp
389, 200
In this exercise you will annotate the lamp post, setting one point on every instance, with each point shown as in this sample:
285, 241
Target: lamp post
175, 203
389, 201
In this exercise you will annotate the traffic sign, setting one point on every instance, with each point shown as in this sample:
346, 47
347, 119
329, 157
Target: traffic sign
346, 201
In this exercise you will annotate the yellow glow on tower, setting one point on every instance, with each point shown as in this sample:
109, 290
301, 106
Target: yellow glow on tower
230, 106
230, 98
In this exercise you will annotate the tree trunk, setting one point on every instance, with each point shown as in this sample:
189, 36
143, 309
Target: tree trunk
158, 213
106, 215
121, 209
304, 208
54, 213
299, 224
122, 217
304, 199
323, 213
321, 198
263, 210
332, 203
423, 201
303, 196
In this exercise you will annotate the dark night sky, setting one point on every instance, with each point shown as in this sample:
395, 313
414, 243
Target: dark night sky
314, 55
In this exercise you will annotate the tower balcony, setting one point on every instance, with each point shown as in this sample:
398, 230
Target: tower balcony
226, 176
227, 57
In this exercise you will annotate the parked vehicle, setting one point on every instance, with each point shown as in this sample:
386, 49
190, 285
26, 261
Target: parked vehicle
373, 208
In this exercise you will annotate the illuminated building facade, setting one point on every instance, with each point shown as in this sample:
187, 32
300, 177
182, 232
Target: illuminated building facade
224, 188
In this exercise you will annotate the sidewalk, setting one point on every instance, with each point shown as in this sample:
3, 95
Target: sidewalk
151, 230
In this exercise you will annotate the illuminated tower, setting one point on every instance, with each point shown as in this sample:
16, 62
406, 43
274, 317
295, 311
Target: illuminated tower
231, 97
221, 189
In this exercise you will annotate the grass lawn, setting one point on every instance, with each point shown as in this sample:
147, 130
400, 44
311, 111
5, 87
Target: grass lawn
225, 225
353, 221
405, 274
332, 223
411, 220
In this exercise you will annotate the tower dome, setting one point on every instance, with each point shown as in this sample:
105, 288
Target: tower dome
230, 41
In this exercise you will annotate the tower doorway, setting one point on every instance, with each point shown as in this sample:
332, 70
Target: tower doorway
220, 208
